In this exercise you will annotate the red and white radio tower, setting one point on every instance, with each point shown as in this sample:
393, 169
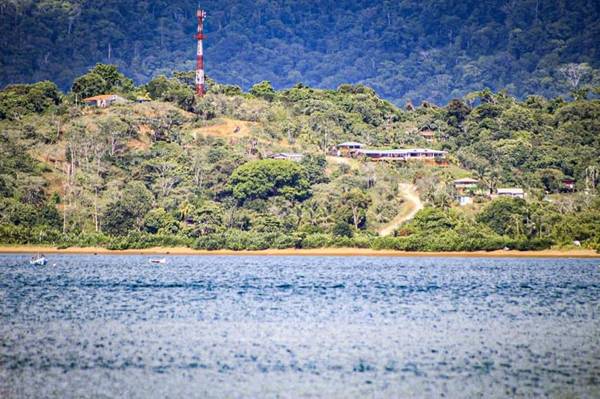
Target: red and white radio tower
200, 89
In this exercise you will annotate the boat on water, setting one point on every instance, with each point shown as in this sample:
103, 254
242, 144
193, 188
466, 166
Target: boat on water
160, 261
38, 261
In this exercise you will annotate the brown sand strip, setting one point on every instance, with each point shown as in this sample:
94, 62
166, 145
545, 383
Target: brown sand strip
551, 253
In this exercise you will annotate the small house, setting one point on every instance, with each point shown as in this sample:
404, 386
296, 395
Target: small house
466, 184
511, 192
143, 99
428, 135
289, 156
568, 184
348, 148
464, 187
465, 200
103, 101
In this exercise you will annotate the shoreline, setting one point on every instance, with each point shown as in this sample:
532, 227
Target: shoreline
548, 253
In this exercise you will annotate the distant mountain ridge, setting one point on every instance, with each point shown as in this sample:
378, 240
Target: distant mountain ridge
410, 50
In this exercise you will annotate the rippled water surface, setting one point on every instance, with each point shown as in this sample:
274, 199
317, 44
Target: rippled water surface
227, 327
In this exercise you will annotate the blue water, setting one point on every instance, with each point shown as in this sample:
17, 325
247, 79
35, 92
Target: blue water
332, 327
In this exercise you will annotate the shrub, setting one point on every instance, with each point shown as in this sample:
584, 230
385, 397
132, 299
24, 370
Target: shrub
342, 229
384, 243
359, 241
88, 240
341, 242
210, 242
117, 243
535, 244
159, 220
286, 241
10, 234
317, 240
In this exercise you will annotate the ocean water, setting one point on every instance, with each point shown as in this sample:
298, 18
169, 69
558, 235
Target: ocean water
295, 327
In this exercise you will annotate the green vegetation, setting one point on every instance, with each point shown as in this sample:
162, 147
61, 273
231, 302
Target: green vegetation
268, 178
407, 50
17, 100
100, 80
188, 171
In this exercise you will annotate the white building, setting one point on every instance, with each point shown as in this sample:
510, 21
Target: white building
465, 200
466, 184
348, 148
514, 192
290, 156
104, 100
409, 154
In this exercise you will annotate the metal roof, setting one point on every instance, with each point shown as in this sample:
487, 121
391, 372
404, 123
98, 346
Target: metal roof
466, 180
514, 190
403, 151
102, 97
350, 143
286, 154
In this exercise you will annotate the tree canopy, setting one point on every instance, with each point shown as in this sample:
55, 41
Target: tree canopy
406, 50
269, 177
183, 170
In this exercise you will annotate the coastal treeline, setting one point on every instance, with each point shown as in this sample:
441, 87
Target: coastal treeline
170, 169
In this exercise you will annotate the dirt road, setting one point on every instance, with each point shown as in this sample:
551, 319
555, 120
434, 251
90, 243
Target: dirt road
412, 204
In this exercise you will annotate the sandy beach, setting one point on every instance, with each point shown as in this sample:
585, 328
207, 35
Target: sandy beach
550, 253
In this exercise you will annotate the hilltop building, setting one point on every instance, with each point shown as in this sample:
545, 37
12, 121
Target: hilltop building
465, 185
103, 101
289, 156
426, 155
568, 184
464, 188
514, 192
357, 150
143, 99
428, 135
348, 148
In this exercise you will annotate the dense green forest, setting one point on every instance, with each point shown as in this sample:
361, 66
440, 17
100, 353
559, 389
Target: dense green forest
409, 50
184, 170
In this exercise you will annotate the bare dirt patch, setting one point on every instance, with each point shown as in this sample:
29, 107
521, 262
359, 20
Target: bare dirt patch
226, 128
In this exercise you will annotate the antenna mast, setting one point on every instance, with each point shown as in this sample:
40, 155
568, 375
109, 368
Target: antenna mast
200, 88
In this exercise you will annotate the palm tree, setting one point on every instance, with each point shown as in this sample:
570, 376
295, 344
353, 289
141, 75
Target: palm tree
517, 224
185, 209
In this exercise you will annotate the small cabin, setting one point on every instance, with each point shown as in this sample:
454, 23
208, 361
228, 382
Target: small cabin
465, 200
464, 187
143, 99
511, 192
568, 184
348, 148
465, 184
103, 101
428, 135
288, 156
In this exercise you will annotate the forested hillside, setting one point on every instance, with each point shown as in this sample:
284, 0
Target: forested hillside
409, 50
184, 170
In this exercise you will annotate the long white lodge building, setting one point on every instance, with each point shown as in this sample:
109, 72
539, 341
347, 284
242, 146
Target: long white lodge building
356, 150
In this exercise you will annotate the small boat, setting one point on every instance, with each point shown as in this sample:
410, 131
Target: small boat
39, 261
161, 260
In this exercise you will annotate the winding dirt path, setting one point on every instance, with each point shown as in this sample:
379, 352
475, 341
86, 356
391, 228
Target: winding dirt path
412, 204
